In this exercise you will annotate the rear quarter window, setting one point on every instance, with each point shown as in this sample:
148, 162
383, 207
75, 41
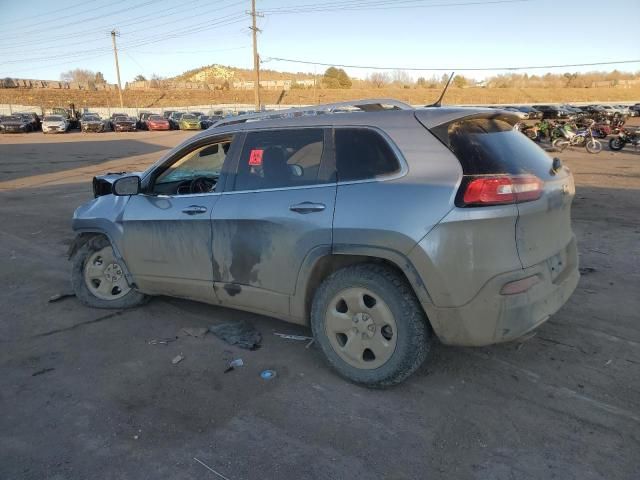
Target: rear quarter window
363, 154
488, 146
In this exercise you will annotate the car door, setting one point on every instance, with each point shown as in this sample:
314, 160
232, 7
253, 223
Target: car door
167, 230
277, 209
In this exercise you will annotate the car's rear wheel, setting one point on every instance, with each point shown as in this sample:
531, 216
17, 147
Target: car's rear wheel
98, 277
369, 325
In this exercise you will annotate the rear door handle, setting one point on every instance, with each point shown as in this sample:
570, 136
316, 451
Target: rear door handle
307, 207
194, 210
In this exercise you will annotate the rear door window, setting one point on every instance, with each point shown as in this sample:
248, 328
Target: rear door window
282, 158
363, 154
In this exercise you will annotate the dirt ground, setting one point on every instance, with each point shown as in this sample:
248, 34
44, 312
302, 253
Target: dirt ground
84, 395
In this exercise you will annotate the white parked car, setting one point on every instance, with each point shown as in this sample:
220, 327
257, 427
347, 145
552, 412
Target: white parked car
55, 124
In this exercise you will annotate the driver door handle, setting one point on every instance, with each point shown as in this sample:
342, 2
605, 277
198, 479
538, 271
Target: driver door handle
307, 207
194, 210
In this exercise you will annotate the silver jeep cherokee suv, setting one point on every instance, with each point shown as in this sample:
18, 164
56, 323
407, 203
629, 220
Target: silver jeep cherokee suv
378, 224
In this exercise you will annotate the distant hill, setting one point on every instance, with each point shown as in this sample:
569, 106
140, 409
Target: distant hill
221, 73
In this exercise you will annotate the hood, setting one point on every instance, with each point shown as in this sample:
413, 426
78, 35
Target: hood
13, 123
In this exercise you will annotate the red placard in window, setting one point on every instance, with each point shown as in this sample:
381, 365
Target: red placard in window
255, 158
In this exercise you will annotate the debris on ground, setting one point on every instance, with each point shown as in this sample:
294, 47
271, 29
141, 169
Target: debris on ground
162, 341
177, 359
586, 270
302, 338
241, 334
292, 337
521, 341
267, 374
236, 362
196, 332
43, 371
60, 296
210, 469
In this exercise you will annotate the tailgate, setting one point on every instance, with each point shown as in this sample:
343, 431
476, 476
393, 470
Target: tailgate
543, 228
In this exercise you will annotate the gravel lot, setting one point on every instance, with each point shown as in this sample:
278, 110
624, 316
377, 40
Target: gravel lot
84, 395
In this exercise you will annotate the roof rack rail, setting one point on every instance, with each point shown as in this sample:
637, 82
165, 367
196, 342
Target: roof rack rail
368, 105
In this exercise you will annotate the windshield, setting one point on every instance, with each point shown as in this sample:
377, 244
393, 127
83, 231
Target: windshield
189, 117
53, 118
90, 118
156, 117
12, 118
122, 119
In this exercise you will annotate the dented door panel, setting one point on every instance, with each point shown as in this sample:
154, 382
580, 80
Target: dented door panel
260, 243
167, 244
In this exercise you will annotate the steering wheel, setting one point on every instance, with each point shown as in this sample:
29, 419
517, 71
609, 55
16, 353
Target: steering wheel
201, 185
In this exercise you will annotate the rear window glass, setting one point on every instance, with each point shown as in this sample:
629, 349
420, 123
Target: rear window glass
282, 158
362, 154
491, 146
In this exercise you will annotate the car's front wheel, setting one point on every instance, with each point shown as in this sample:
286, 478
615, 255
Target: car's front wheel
370, 325
98, 277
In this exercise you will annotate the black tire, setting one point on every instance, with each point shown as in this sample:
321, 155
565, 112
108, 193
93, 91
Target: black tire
616, 144
414, 335
132, 299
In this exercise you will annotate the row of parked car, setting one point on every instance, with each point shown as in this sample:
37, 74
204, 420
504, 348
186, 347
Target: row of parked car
571, 112
60, 122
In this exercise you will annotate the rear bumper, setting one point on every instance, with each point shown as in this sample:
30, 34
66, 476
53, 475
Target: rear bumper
491, 317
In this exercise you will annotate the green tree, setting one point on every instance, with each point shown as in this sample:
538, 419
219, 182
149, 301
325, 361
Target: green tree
140, 78
336, 78
459, 81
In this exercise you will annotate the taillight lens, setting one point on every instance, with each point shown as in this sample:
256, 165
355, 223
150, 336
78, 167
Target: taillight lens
501, 189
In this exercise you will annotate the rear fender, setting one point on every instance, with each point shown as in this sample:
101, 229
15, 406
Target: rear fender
307, 276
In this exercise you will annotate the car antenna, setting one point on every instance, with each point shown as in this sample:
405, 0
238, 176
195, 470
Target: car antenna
439, 102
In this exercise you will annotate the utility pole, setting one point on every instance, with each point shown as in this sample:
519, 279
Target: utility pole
256, 57
115, 54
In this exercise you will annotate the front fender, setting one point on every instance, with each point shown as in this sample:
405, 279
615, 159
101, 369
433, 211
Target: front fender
102, 215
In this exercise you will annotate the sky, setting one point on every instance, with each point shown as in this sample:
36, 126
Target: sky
40, 39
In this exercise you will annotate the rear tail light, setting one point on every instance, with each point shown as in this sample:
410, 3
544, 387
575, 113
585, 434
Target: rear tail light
500, 190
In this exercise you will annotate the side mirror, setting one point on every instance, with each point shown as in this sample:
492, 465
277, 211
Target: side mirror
129, 185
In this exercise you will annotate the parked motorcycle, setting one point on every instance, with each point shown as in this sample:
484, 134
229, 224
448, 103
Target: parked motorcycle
530, 131
623, 138
580, 138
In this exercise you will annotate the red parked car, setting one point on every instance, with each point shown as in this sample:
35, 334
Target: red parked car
158, 122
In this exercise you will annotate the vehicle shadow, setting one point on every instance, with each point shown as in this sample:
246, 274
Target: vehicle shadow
33, 160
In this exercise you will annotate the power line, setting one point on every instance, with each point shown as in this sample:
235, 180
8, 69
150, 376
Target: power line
377, 5
194, 28
70, 25
44, 14
448, 69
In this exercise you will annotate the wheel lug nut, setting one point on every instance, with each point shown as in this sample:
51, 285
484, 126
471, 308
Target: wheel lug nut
371, 327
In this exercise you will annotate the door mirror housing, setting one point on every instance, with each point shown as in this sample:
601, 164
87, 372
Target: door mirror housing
129, 185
